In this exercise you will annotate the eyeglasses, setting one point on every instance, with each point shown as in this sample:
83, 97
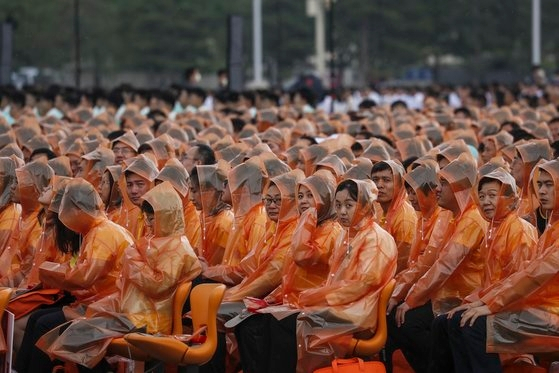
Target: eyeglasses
268, 201
123, 151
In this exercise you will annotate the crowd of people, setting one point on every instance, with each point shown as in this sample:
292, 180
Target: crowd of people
110, 201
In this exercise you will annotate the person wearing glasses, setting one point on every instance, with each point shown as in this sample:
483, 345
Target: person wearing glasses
125, 147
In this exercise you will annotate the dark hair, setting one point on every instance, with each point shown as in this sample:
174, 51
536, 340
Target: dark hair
555, 147
350, 186
408, 161
206, 154
194, 178
197, 91
67, 241
49, 153
484, 180
380, 166
144, 147
521, 134
189, 71
310, 139
511, 123
115, 135
367, 104
463, 110
147, 208
397, 103
17, 98
238, 124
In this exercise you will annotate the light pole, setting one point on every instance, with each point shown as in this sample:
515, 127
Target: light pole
257, 40
536, 33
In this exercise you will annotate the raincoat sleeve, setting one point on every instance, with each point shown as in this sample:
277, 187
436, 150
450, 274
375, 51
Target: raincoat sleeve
219, 234
408, 277
307, 251
8, 220
467, 236
267, 275
403, 231
95, 261
156, 270
370, 270
522, 284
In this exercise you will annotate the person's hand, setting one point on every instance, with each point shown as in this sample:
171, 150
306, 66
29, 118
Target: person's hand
391, 304
465, 306
401, 314
471, 315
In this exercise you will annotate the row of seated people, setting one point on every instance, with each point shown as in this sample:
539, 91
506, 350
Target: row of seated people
315, 246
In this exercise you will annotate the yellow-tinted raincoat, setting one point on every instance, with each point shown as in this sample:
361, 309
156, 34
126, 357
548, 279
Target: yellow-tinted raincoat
175, 173
98, 265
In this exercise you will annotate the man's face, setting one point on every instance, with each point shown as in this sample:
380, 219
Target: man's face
190, 159
517, 170
445, 195
546, 191
554, 129
385, 184
122, 152
136, 187
195, 195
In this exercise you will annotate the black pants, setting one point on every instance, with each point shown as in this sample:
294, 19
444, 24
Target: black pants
413, 338
267, 344
30, 358
441, 354
468, 344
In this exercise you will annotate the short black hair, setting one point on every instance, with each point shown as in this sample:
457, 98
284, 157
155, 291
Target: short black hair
350, 186
380, 166
310, 139
367, 104
49, 153
206, 154
463, 110
197, 91
397, 103
147, 207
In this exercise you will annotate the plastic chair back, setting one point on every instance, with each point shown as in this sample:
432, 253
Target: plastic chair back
369, 347
178, 302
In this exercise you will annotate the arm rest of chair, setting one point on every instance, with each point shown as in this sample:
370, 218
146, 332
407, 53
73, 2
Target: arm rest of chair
167, 349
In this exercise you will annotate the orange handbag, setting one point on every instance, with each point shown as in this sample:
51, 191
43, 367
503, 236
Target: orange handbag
354, 365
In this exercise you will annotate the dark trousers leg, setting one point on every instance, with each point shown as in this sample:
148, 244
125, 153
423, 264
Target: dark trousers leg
283, 344
414, 336
392, 341
217, 363
37, 360
468, 345
441, 354
253, 339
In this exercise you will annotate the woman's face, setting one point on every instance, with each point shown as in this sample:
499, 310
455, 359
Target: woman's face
489, 150
305, 199
105, 188
272, 202
345, 208
488, 196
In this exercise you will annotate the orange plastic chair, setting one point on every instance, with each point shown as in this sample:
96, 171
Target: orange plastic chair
5, 295
119, 346
373, 345
205, 301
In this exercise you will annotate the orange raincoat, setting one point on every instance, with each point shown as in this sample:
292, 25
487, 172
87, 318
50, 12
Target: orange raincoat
525, 305
9, 212
400, 220
93, 275
131, 217
431, 227
246, 183
150, 275
175, 173
264, 264
216, 224
458, 268
360, 267
16, 260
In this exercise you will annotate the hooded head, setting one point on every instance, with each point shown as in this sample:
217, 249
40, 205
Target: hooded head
309, 157
109, 188
246, 182
140, 175
175, 173
496, 195
285, 186
361, 169
322, 186
31, 180
81, 207
354, 203
167, 209
333, 164
7, 180
207, 185
527, 156
545, 181
96, 163
460, 174
125, 146
61, 166
423, 182
389, 179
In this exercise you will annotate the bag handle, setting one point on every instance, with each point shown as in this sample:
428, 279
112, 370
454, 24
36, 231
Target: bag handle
354, 360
